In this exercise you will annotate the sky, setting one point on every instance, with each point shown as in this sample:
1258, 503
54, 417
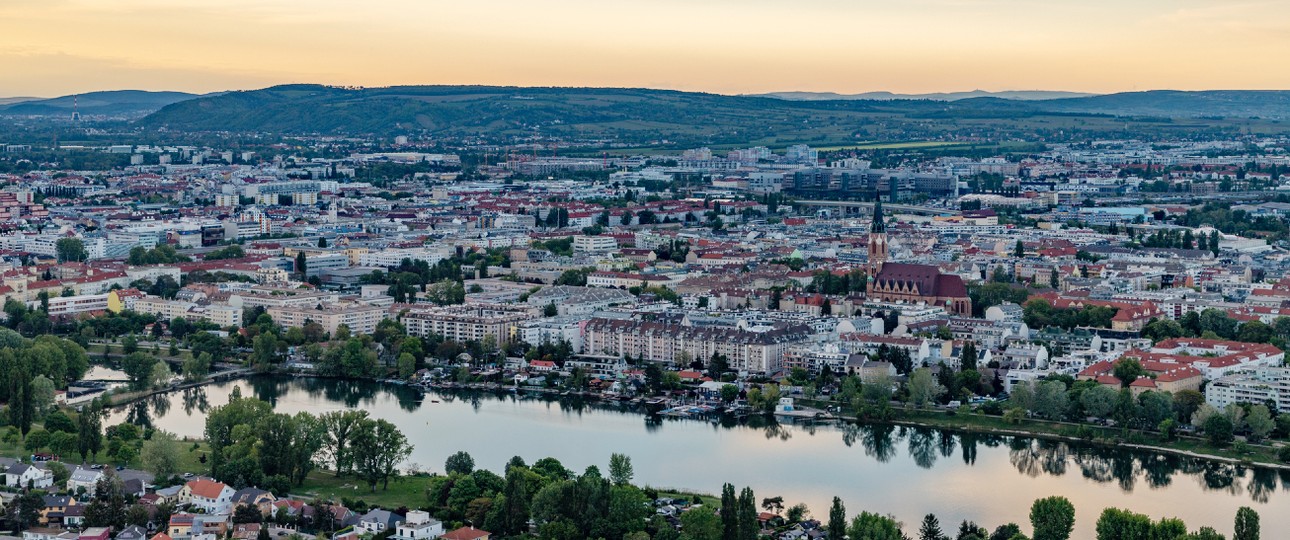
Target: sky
58, 47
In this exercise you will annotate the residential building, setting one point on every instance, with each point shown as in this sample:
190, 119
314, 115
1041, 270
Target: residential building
418, 526
360, 318
1256, 386
467, 322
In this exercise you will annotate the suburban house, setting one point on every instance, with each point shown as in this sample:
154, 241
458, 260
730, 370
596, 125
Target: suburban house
210, 496
378, 521
256, 497
55, 508
22, 474
419, 525
467, 533
83, 478
42, 533
132, 532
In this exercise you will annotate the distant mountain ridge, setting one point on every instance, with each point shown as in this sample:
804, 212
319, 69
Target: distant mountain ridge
122, 103
1019, 95
675, 117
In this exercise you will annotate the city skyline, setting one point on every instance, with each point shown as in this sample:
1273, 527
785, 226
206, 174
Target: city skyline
51, 48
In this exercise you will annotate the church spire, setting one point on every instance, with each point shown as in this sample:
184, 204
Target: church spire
879, 224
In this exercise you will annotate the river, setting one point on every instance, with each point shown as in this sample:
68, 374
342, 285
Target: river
905, 472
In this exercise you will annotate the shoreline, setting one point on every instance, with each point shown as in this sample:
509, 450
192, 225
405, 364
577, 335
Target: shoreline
945, 423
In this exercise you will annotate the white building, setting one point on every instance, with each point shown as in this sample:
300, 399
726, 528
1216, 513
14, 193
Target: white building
1253, 386
419, 525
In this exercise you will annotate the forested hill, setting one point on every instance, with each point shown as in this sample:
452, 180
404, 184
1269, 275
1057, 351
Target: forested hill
123, 103
656, 115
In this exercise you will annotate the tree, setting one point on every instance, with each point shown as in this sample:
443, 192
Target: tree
378, 448
1053, 518
931, 528
1019, 250
1116, 524
837, 520
407, 365
923, 388
620, 469
1098, 401
28, 507
1006, 532
302, 263
1219, 429
1128, 370
138, 367
1259, 421
109, 504
71, 250
41, 397
1247, 524
160, 375
459, 463
697, 524
161, 454
729, 393
747, 515
868, 526
969, 358
729, 513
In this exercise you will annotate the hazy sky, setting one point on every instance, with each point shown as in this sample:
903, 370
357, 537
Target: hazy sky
55, 47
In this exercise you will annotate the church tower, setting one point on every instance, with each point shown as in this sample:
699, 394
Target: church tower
877, 240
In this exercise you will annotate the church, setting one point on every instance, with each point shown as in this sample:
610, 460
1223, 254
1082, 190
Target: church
911, 283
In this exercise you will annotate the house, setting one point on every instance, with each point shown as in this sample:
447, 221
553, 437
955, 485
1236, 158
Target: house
74, 516
246, 531
55, 508
83, 478
22, 475
133, 486
43, 533
208, 495
419, 525
378, 521
256, 497
96, 533
467, 533
133, 532
181, 526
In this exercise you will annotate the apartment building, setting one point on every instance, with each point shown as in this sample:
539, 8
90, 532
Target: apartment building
468, 322
594, 244
745, 349
71, 305
360, 318
1257, 386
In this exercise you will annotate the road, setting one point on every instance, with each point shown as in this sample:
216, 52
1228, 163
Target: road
124, 474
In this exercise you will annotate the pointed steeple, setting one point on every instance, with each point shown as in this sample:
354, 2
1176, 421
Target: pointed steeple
879, 224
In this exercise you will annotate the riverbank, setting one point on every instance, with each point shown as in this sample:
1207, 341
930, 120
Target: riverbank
970, 422
959, 421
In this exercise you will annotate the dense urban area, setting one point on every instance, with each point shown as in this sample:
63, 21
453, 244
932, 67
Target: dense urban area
1118, 288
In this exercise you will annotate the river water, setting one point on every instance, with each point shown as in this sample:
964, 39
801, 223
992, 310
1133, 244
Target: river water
905, 472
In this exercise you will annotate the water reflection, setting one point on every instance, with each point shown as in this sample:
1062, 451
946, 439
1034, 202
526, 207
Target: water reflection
925, 448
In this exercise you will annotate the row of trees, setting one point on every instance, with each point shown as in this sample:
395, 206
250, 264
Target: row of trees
1063, 399
1214, 323
252, 445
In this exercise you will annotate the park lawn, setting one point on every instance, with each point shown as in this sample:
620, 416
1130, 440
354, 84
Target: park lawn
407, 491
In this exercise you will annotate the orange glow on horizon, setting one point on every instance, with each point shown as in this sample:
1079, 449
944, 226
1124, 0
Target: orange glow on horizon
56, 47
